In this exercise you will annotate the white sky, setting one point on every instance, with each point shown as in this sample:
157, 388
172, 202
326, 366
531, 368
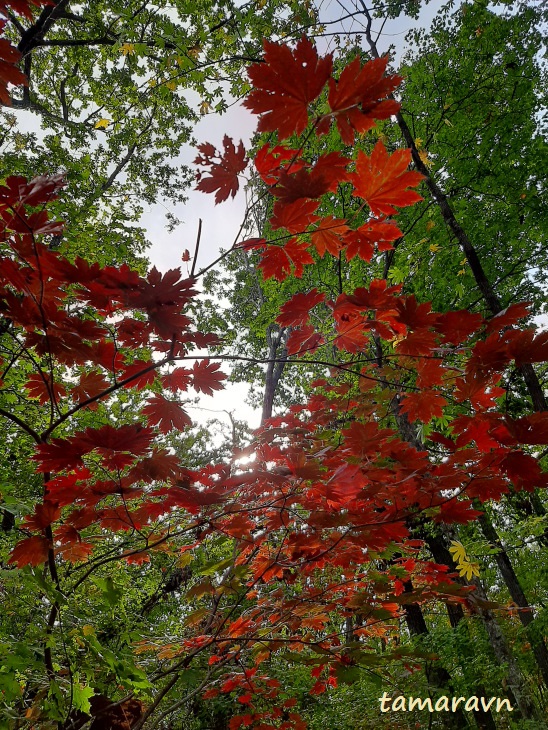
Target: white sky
220, 224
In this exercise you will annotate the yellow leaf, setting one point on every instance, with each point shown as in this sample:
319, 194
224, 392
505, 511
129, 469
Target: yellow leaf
434, 247
458, 551
423, 154
446, 121
205, 107
194, 51
152, 83
171, 85
467, 570
127, 48
464, 260
418, 143
430, 225
102, 123
462, 272
87, 629
185, 559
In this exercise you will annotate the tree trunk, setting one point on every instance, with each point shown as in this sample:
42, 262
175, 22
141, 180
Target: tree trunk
516, 684
518, 596
488, 293
455, 611
276, 338
436, 675
441, 554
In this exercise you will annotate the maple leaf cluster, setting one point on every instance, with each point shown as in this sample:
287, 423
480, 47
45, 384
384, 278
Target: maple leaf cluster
325, 488
329, 506
286, 86
88, 332
9, 55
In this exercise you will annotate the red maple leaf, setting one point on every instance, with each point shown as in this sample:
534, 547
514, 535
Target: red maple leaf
60, 454
329, 235
166, 414
509, 316
304, 339
528, 346
90, 384
352, 331
360, 242
271, 161
32, 551
134, 438
296, 216
276, 261
178, 379
532, 429
313, 182
383, 180
420, 342
44, 514
75, 552
430, 371
39, 385
297, 310
223, 175
285, 84
9, 73
139, 374
207, 376
457, 511
414, 315
457, 326
356, 99
423, 406
22, 7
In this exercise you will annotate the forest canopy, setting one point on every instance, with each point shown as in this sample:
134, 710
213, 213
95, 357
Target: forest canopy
383, 532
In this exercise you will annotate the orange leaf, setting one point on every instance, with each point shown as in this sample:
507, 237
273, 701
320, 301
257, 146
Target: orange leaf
356, 98
166, 414
32, 551
327, 237
382, 180
285, 84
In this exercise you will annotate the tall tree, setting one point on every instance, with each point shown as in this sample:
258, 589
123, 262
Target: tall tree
117, 89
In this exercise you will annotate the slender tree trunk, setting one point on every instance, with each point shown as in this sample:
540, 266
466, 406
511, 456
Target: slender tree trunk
276, 338
526, 615
488, 293
436, 674
455, 611
516, 684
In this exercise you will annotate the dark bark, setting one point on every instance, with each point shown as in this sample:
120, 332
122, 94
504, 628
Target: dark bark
516, 684
487, 290
436, 674
36, 32
440, 551
526, 615
276, 338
